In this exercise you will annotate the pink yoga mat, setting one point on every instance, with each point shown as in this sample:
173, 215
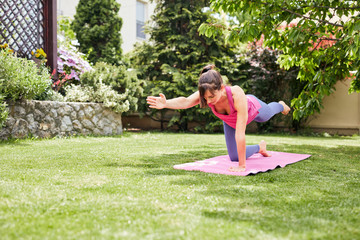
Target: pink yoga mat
255, 164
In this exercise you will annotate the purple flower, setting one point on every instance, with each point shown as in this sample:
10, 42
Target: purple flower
72, 61
74, 75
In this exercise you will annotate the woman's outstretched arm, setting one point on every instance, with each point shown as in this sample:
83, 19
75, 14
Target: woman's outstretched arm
175, 103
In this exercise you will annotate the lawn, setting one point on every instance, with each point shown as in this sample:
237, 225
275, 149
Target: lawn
125, 187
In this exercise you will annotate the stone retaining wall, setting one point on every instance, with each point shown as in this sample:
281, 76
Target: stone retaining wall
49, 119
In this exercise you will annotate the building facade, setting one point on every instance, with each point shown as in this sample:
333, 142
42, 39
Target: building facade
134, 13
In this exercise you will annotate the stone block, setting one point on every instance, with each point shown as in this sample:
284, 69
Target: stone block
61, 111
19, 112
66, 124
98, 108
108, 131
75, 106
88, 124
54, 105
107, 122
119, 130
85, 131
100, 124
44, 126
30, 118
10, 122
38, 115
30, 106
44, 134
41, 106
53, 113
20, 129
95, 119
55, 131
68, 109
73, 115
33, 127
4, 134
96, 131
89, 112
81, 115
48, 119
111, 117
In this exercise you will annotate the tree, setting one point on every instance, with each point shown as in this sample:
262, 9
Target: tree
321, 37
267, 80
172, 60
97, 26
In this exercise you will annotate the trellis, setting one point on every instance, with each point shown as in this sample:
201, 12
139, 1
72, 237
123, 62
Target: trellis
27, 25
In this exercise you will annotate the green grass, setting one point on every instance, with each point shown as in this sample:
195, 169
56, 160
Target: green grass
126, 188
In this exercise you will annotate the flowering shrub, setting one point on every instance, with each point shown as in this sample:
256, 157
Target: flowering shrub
19, 79
71, 64
118, 78
39, 54
39, 57
77, 93
5, 47
110, 98
99, 93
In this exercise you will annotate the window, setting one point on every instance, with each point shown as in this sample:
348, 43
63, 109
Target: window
140, 19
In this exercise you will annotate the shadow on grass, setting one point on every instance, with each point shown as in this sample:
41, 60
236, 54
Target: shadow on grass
162, 164
170, 159
14, 142
324, 163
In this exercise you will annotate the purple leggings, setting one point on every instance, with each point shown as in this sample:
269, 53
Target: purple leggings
266, 112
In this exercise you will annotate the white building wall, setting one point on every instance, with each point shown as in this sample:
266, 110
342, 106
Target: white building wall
67, 7
127, 13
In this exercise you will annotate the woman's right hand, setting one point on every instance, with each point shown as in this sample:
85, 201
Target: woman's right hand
157, 102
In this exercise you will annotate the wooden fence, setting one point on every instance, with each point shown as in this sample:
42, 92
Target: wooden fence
27, 25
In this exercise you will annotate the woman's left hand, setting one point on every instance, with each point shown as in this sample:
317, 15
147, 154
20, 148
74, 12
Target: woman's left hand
237, 169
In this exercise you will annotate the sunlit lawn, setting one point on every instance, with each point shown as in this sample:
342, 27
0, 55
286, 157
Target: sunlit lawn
126, 188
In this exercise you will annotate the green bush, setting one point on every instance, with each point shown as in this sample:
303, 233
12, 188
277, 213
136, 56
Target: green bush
118, 78
3, 111
99, 93
21, 78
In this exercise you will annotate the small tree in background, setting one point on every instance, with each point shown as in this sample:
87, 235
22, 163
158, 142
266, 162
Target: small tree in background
172, 60
97, 26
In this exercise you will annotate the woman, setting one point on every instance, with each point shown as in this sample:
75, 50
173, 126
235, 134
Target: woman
232, 106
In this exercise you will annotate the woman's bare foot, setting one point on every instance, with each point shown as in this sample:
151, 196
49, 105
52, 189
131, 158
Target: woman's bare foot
286, 108
262, 150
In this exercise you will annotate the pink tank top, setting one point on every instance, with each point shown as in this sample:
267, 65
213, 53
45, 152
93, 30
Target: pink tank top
253, 107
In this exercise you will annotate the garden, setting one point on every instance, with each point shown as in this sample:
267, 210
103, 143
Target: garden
122, 184
125, 187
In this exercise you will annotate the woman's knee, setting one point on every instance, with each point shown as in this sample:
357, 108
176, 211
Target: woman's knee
233, 157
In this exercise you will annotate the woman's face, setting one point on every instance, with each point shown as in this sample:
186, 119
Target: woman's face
212, 97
